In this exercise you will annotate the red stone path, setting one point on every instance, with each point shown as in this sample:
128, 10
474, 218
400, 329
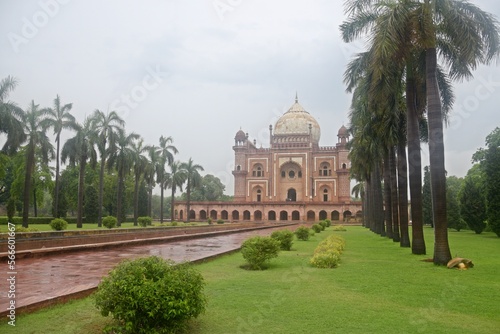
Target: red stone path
43, 281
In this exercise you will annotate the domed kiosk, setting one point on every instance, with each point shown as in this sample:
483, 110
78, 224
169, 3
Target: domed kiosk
294, 179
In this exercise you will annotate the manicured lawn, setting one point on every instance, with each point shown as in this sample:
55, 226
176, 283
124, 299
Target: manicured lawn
378, 288
87, 226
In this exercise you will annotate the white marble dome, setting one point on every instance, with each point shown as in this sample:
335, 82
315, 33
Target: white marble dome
296, 121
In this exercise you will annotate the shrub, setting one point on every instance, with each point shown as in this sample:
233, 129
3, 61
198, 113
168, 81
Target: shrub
151, 295
327, 253
144, 221
284, 237
58, 224
316, 228
220, 221
322, 224
26, 229
302, 233
174, 223
328, 222
339, 228
209, 221
257, 251
109, 221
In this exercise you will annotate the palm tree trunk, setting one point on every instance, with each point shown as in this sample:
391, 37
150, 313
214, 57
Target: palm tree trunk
378, 204
150, 201
403, 195
442, 253
56, 189
188, 202
415, 166
367, 212
30, 159
387, 193
101, 191
136, 199
394, 195
119, 200
81, 185
35, 208
161, 203
172, 215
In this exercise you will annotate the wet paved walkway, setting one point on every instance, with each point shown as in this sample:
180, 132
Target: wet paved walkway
42, 281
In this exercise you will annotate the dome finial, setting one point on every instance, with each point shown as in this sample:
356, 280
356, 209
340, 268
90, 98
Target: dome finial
296, 97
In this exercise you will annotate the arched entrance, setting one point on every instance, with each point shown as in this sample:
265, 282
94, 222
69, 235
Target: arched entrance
235, 215
295, 215
271, 215
283, 215
246, 215
291, 195
335, 215
322, 215
203, 215
224, 214
257, 216
311, 216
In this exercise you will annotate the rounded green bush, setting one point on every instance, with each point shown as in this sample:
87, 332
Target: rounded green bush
302, 233
151, 295
328, 222
322, 224
284, 237
317, 228
220, 221
109, 221
58, 224
144, 221
257, 251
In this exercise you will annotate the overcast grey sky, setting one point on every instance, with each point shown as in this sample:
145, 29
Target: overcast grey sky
200, 70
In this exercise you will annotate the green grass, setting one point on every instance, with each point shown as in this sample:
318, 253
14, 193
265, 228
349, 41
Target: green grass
91, 226
378, 288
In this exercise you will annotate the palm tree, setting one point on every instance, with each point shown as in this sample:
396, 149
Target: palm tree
472, 36
10, 116
166, 152
193, 178
35, 128
140, 164
59, 118
176, 179
78, 150
465, 36
150, 172
123, 159
106, 126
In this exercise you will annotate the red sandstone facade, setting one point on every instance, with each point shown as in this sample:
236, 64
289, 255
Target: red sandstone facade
293, 179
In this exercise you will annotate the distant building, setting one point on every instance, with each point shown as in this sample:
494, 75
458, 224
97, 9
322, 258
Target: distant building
293, 179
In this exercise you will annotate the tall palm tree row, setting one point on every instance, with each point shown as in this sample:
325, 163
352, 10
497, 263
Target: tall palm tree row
464, 36
101, 134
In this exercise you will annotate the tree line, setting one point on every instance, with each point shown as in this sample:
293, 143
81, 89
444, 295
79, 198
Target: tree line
402, 93
100, 154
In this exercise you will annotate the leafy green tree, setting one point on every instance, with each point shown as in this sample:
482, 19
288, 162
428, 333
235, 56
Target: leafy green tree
91, 204
106, 126
473, 200
210, 189
193, 178
489, 159
59, 118
453, 185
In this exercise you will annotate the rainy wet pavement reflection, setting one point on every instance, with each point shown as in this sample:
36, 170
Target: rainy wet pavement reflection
50, 277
